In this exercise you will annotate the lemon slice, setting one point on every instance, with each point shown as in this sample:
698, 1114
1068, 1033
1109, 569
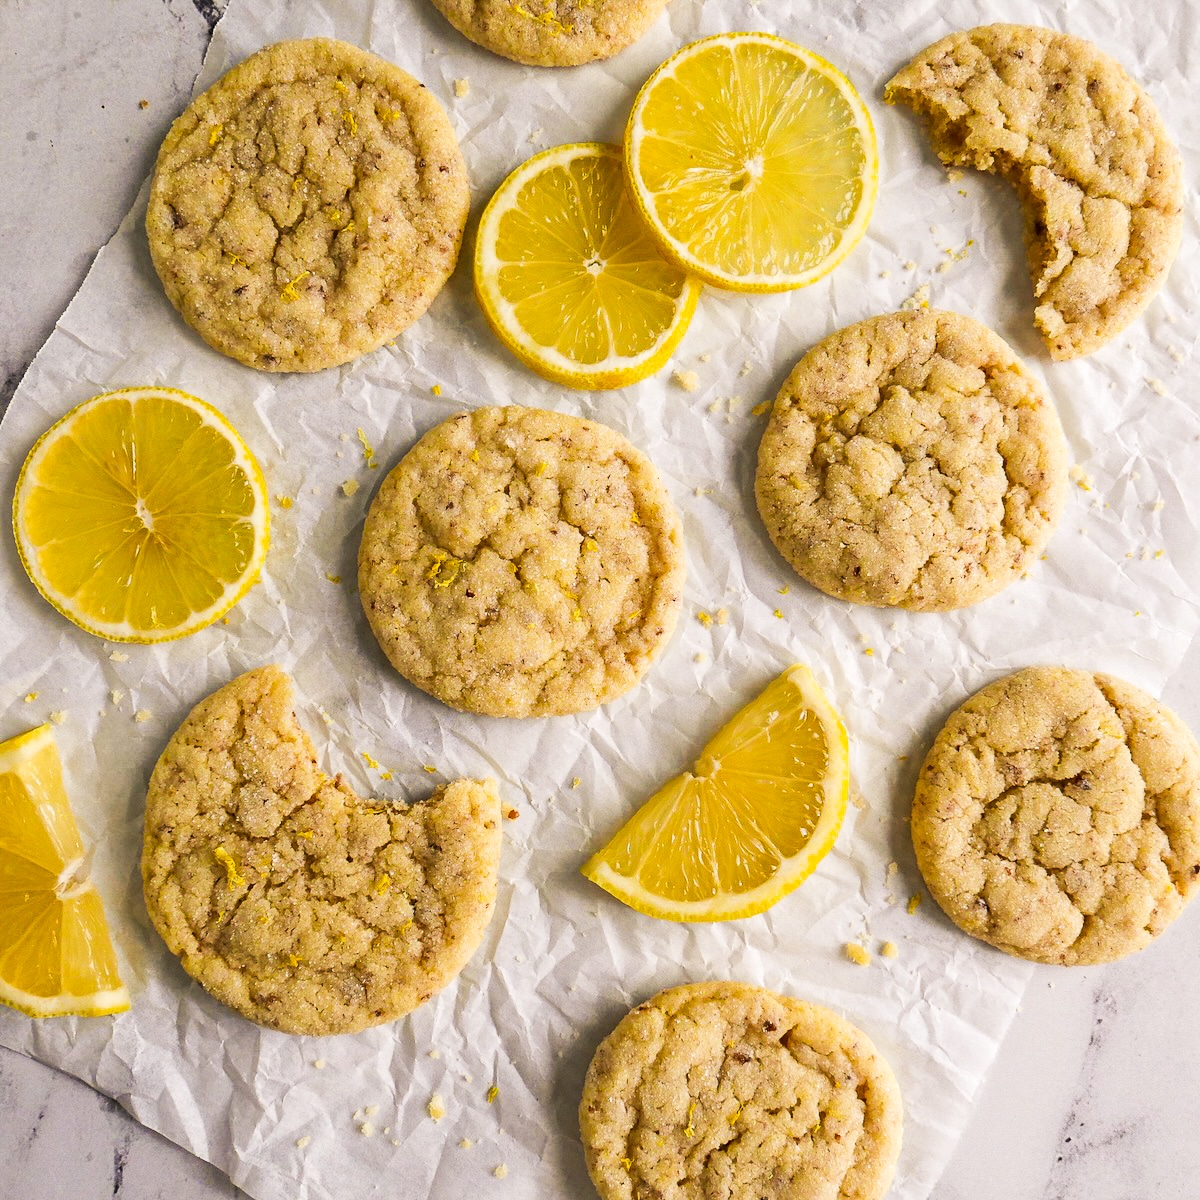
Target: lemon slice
753, 161
142, 515
748, 824
568, 277
56, 957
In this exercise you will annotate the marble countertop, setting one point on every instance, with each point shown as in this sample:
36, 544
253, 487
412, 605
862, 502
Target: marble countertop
1093, 1094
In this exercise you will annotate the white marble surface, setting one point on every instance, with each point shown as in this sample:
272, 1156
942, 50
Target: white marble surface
1093, 1095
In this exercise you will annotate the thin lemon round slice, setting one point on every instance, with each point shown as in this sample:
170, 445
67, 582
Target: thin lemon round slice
751, 820
56, 956
142, 515
753, 162
568, 277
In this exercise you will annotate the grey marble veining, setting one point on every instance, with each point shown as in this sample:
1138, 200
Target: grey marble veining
1093, 1095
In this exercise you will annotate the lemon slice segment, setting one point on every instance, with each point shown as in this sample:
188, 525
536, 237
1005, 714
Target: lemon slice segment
142, 515
748, 824
753, 161
568, 276
56, 956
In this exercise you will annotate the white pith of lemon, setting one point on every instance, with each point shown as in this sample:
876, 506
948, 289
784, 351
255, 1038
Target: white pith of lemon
748, 824
568, 276
753, 161
141, 515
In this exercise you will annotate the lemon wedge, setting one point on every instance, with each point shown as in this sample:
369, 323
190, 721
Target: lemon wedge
753, 161
748, 824
568, 277
142, 515
56, 956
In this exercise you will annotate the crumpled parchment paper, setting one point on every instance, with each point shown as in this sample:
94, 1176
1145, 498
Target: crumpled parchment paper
315, 1118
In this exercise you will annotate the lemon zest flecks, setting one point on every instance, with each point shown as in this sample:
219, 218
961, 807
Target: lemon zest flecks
289, 292
368, 450
233, 879
443, 570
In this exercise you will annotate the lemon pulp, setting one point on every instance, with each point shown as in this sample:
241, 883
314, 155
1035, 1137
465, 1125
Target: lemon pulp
753, 161
752, 819
56, 956
568, 276
142, 515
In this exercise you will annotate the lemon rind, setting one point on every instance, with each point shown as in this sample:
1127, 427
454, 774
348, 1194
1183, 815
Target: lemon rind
546, 360
758, 283
124, 631
99, 1004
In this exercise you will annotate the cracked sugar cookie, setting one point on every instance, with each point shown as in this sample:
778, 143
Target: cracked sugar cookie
1100, 180
1057, 816
307, 207
728, 1090
911, 460
292, 900
522, 563
552, 33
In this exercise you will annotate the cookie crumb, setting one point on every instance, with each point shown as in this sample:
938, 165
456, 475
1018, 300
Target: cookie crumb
465, 1144
858, 954
142, 715
118, 656
301, 1142
436, 1109
914, 902
1156, 386
143, 104
705, 358
333, 578
319, 1064
116, 695
511, 814
462, 87
722, 616
909, 265
699, 657
350, 487
888, 950
576, 782
760, 408
688, 380
918, 300
367, 1129
501, 1171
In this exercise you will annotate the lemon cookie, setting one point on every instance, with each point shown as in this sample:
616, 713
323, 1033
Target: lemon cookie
552, 33
1100, 180
1057, 816
519, 562
727, 1090
911, 460
289, 898
307, 207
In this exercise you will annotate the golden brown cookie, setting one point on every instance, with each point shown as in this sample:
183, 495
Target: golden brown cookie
289, 898
727, 1090
519, 562
911, 460
1057, 816
552, 33
1100, 180
307, 207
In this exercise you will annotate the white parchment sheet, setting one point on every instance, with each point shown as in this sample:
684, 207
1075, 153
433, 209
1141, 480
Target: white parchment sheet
562, 961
